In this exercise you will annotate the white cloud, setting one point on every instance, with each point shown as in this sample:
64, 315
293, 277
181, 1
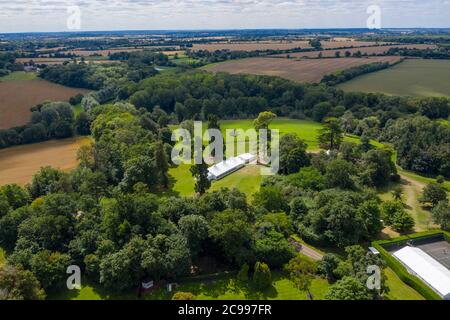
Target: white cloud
51, 15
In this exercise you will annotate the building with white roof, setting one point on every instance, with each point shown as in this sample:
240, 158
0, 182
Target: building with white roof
247, 157
429, 270
225, 168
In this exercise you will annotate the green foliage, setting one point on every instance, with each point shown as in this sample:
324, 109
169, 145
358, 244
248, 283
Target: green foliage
200, 174
185, 296
301, 272
348, 288
272, 199
434, 193
331, 134
441, 215
293, 154
243, 273
19, 284
262, 276
395, 215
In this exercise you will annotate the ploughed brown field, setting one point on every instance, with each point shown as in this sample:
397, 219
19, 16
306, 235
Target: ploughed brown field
305, 70
366, 50
19, 164
18, 97
276, 45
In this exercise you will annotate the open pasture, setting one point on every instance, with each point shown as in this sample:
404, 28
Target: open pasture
302, 71
17, 97
19, 164
413, 77
377, 50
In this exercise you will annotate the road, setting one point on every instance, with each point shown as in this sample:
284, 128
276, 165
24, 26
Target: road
311, 253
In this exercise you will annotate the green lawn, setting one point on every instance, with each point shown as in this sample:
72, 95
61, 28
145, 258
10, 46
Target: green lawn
400, 290
414, 77
305, 129
224, 288
19, 76
247, 180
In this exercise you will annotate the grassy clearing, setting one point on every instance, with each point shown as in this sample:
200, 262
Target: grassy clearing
224, 288
398, 289
19, 76
415, 77
246, 180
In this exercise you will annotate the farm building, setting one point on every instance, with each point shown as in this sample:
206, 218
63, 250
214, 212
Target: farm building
229, 166
430, 271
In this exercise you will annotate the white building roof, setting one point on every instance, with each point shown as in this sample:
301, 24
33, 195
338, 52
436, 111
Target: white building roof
226, 166
426, 268
248, 157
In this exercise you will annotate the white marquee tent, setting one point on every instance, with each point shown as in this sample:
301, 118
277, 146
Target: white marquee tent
225, 168
429, 270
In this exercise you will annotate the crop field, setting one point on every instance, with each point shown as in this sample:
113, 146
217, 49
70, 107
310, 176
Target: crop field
298, 70
252, 46
18, 96
19, 164
414, 77
276, 45
366, 50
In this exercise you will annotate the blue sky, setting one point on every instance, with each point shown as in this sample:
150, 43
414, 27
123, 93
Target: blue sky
51, 15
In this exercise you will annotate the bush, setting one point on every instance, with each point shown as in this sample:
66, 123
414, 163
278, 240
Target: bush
262, 277
183, 296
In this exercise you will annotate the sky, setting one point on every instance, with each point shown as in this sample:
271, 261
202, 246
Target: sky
94, 15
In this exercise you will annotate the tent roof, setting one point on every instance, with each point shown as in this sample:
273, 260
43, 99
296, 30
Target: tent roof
428, 269
247, 157
226, 166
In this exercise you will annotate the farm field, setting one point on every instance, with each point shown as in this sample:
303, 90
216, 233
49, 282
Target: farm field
297, 70
414, 77
18, 95
276, 45
19, 164
367, 50
252, 46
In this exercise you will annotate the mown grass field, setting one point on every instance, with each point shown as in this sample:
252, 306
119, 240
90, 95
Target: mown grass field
19, 76
398, 289
223, 288
414, 77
